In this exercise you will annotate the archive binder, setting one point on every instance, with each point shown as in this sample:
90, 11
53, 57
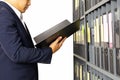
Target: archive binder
101, 19
64, 29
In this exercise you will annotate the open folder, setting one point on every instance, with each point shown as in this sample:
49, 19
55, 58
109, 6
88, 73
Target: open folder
64, 29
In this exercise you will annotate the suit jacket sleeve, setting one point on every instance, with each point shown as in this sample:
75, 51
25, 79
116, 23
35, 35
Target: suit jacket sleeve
12, 45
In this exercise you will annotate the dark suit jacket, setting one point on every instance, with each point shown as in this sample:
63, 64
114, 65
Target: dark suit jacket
18, 57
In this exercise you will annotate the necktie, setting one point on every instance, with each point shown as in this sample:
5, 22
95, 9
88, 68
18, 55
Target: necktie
26, 29
24, 24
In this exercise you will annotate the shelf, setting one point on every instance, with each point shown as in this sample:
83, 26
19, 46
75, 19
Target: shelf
82, 17
112, 76
96, 6
77, 56
101, 55
103, 71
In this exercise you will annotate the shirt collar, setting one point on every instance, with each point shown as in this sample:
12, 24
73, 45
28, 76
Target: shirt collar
18, 13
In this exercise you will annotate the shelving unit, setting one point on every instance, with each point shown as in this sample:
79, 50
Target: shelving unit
97, 43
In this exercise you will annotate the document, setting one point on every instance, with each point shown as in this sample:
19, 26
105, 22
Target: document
64, 29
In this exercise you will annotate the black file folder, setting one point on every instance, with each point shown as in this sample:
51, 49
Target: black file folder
64, 29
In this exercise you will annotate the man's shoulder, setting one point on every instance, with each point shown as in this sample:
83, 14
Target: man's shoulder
3, 8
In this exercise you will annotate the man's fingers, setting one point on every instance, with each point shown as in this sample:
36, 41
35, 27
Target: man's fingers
58, 39
62, 41
57, 44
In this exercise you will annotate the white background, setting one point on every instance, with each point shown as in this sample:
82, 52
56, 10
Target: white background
41, 15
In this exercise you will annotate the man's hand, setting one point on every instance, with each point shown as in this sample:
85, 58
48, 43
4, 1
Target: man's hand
57, 44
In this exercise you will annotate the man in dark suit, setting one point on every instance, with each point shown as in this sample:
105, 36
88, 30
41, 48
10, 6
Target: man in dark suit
18, 56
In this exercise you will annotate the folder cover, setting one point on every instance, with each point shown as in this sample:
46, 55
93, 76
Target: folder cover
64, 29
